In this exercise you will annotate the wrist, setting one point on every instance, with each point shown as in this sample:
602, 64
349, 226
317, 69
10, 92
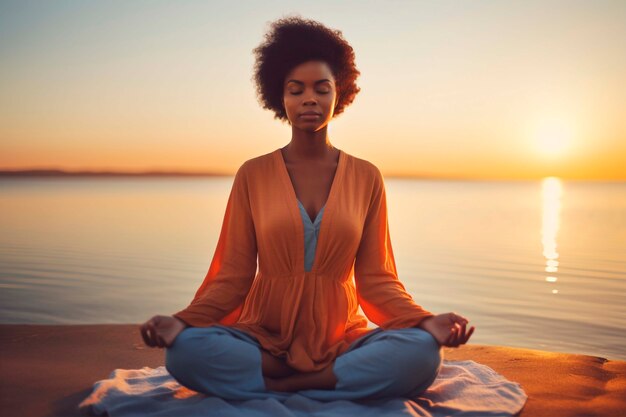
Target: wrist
182, 323
424, 323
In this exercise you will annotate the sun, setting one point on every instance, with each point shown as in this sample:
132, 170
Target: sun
553, 138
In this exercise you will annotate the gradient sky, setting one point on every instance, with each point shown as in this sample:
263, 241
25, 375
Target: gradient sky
477, 89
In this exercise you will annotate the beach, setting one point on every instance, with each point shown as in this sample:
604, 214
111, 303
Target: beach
46, 370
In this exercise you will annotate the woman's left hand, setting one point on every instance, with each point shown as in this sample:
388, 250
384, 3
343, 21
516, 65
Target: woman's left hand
448, 329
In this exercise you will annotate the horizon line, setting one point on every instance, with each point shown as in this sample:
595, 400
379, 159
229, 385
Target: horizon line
51, 172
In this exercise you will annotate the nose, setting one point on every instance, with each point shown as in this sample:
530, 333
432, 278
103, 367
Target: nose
310, 96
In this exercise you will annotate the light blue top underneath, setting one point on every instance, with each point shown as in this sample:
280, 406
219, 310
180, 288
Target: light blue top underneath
311, 231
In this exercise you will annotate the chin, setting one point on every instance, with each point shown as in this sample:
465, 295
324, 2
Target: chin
312, 129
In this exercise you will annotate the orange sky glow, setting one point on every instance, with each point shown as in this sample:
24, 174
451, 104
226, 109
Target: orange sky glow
484, 90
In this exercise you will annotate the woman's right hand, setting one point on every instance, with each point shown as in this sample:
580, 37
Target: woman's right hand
160, 331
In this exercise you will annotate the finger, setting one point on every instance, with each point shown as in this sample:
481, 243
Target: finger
160, 341
156, 336
145, 335
450, 339
153, 333
456, 336
462, 335
469, 333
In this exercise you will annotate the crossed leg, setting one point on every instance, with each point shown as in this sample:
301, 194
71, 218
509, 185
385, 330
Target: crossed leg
384, 363
231, 364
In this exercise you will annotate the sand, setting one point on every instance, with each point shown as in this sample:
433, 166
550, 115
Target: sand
46, 370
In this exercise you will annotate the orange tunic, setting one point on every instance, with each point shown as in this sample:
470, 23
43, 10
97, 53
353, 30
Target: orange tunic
308, 318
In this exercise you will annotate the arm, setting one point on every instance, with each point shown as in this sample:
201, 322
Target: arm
380, 293
220, 297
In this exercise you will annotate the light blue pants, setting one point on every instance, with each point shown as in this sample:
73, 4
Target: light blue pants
226, 362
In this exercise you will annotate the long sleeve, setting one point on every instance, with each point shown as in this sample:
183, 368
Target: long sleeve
219, 300
380, 293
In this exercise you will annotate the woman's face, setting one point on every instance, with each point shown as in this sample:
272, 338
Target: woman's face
310, 87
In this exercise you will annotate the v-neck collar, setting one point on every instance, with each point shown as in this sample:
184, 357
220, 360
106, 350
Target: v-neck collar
319, 213
295, 209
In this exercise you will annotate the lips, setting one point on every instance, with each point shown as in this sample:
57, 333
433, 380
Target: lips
310, 113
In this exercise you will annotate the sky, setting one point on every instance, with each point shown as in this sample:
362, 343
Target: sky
452, 89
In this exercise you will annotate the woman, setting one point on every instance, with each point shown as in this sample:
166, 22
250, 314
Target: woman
316, 218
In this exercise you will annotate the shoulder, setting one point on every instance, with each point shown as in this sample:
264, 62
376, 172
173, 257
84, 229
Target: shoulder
364, 171
257, 164
255, 167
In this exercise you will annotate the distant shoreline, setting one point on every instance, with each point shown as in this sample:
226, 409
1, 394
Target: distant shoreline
62, 173
59, 173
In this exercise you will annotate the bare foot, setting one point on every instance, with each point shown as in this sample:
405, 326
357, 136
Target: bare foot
324, 379
272, 384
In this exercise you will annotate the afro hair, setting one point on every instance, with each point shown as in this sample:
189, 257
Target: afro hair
292, 41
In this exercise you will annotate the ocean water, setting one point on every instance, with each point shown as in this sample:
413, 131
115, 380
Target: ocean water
532, 264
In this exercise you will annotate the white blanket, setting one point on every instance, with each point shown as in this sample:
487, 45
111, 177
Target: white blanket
462, 388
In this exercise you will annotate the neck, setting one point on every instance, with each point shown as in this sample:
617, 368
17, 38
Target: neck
309, 145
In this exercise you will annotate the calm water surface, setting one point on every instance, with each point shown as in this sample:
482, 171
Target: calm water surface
537, 264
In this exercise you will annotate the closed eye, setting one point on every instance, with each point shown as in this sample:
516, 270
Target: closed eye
320, 92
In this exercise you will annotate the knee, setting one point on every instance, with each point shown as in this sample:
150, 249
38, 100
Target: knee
427, 349
179, 352
189, 347
418, 360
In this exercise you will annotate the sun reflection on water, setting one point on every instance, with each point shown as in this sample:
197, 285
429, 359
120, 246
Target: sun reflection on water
552, 189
